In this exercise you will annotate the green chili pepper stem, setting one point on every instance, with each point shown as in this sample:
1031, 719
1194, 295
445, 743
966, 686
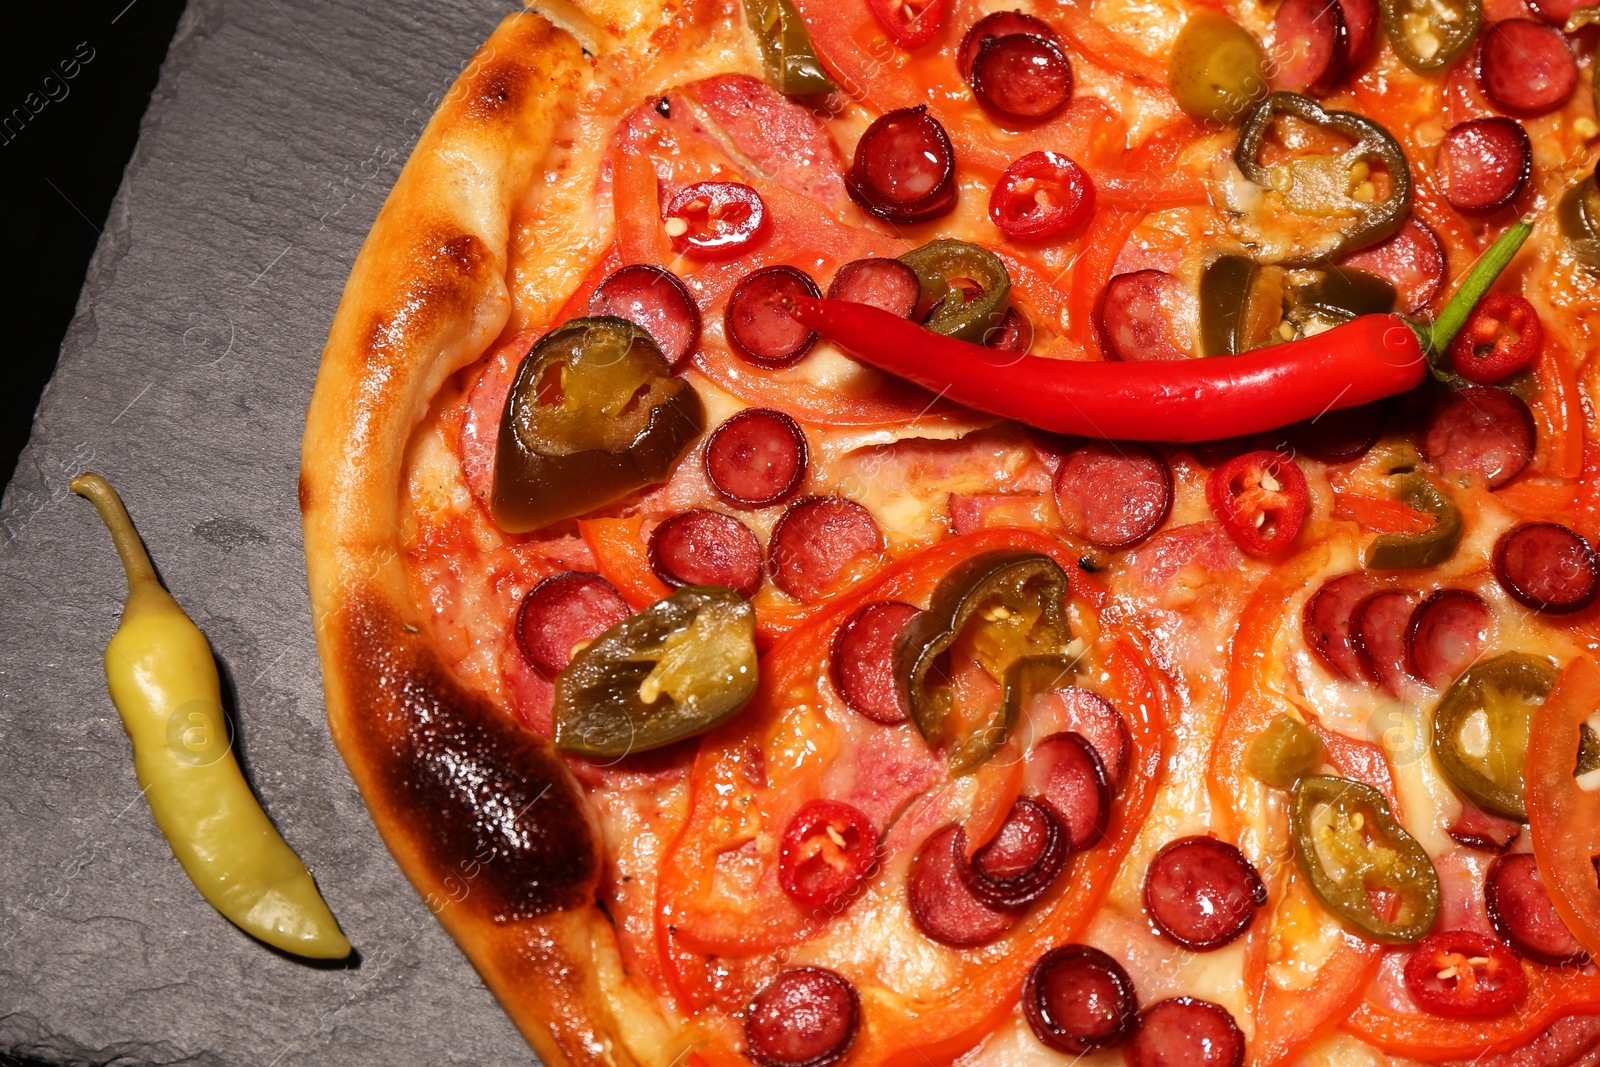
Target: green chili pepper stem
135, 560
1483, 274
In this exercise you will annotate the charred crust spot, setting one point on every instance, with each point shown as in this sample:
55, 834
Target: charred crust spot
484, 801
664, 108
466, 252
498, 88
304, 493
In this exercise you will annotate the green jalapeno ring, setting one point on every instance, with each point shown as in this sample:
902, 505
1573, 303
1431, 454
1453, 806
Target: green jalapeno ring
1429, 548
680, 667
1578, 215
1230, 295
790, 60
1506, 690
1372, 143
1450, 36
940, 263
1005, 585
621, 422
1371, 850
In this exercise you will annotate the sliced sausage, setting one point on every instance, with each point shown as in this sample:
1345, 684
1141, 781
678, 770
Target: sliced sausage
1187, 1032
1411, 259
904, 169
804, 1017
1014, 334
1477, 829
1519, 907
1525, 67
1113, 494
1329, 618
658, 303
863, 660
1202, 893
1066, 773
1360, 30
1379, 628
1547, 567
942, 905
1000, 24
1023, 859
758, 324
1091, 716
1078, 999
756, 459
815, 540
887, 284
1021, 77
1311, 43
1138, 317
703, 547
563, 611
1446, 633
1483, 430
1338, 436
1482, 165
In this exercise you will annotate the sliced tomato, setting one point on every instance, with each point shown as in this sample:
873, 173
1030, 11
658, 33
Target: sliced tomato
828, 848
1464, 974
1564, 819
1260, 499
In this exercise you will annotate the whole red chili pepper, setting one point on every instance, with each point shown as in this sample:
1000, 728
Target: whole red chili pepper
1366, 359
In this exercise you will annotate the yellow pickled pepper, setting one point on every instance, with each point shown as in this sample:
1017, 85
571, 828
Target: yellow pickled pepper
163, 681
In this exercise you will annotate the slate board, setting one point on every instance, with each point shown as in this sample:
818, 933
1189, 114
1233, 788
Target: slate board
271, 141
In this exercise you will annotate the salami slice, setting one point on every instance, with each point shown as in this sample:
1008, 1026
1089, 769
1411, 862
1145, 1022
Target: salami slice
1526, 67
1138, 317
1311, 43
703, 547
804, 1017
1379, 628
1482, 165
1091, 716
904, 169
1187, 1032
1014, 334
1000, 24
756, 459
1547, 567
1329, 618
1411, 259
883, 283
815, 540
758, 325
1065, 772
1113, 494
1483, 430
563, 611
1447, 632
1338, 436
1202, 893
1360, 31
657, 302
1078, 999
1023, 859
1021, 77
942, 905
863, 660
1520, 909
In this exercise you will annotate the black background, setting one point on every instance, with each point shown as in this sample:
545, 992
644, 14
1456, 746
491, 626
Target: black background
60, 168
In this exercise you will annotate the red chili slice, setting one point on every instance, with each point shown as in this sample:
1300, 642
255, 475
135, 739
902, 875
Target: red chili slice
1328, 621
912, 23
904, 168
1462, 974
1338, 436
1014, 334
1311, 44
814, 541
942, 905
1023, 859
1000, 24
1066, 772
1021, 77
1202, 893
1447, 632
758, 324
805, 1017
1411, 259
882, 283
1547, 567
1526, 67
562, 611
1260, 499
863, 660
1485, 430
1187, 1032
1137, 316
1091, 716
1519, 907
715, 220
1476, 829
1041, 195
827, 850
1482, 165
1113, 494
1078, 999
1503, 337
1379, 629
703, 547
1361, 30
756, 459
657, 302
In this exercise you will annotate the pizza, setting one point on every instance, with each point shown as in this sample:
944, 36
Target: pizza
886, 532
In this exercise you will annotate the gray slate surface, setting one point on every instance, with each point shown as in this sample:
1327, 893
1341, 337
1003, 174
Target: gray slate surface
275, 133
